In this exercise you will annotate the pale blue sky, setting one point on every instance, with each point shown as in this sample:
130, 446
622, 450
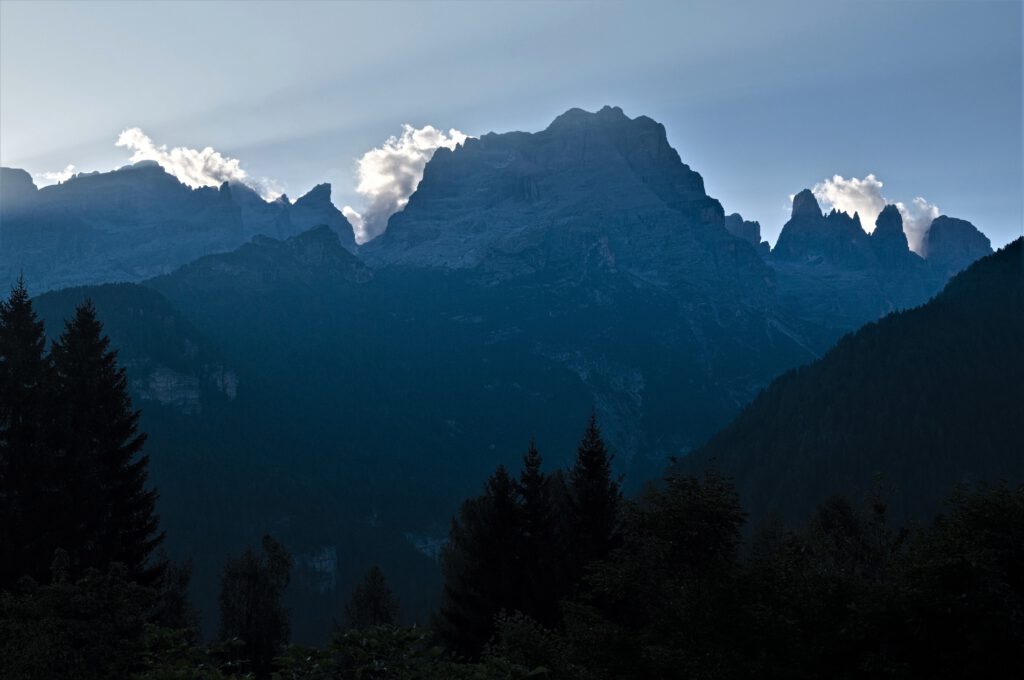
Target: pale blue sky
762, 98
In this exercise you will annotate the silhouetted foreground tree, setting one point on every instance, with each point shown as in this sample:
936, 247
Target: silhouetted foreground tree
372, 603
24, 390
72, 475
250, 604
480, 565
522, 546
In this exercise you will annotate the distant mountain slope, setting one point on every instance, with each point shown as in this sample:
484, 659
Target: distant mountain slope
137, 222
167, 359
233, 456
924, 398
833, 274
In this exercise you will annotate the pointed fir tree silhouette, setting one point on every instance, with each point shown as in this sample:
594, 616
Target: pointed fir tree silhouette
108, 511
540, 568
596, 498
480, 564
24, 477
252, 586
372, 602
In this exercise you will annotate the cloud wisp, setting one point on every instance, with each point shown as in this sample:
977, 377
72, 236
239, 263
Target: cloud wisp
390, 173
194, 167
864, 196
46, 178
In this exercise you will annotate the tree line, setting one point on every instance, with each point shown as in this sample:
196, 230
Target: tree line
546, 573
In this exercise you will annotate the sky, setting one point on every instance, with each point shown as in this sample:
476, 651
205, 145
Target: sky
866, 102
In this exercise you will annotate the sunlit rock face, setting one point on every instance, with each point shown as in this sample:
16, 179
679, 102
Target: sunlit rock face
137, 222
593, 190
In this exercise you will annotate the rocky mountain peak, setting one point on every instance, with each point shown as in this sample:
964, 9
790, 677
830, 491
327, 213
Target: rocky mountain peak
314, 208
952, 244
810, 237
805, 205
889, 221
16, 188
888, 236
749, 231
577, 117
591, 187
319, 194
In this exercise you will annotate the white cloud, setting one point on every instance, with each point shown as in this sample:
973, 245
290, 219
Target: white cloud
390, 173
917, 217
194, 167
864, 196
46, 178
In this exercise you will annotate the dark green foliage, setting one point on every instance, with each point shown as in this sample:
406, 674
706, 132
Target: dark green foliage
654, 607
595, 497
480, 565
543, 565
523, 642
524, 545
372, 603
845, 597
24, 380
391, 653
84, 628
72, 475
250, 604
173, 608
109, 514
169, 654
959, 596
926, 398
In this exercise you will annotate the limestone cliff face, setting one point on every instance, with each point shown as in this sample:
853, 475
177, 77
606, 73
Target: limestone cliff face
593, 190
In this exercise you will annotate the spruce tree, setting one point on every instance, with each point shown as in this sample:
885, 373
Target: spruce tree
596, 498
252, 586
23, 463
372, 603
108, 514
480, 566
541, 570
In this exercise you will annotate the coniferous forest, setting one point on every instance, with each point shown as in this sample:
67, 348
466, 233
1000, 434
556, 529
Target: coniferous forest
547, 572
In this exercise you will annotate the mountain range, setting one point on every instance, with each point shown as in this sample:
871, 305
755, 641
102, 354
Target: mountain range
358, 392
137, 222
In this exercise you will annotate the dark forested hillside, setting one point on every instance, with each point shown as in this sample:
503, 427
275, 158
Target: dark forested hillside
233, 457
916, 402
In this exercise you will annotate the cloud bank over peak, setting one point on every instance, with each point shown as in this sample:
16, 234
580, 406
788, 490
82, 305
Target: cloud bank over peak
194, 167
390, 173
864, 196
